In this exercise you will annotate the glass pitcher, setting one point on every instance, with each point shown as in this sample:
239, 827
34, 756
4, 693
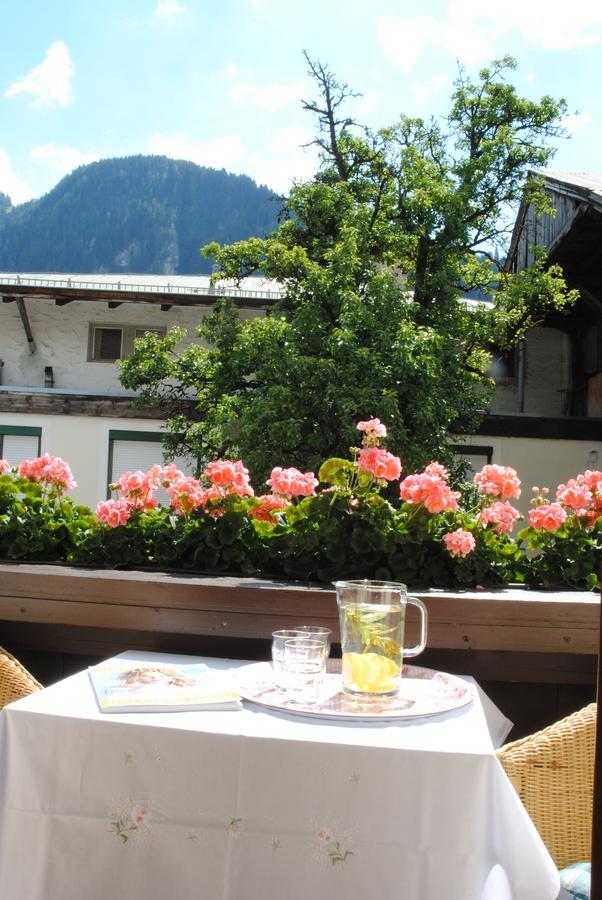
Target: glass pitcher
372, 619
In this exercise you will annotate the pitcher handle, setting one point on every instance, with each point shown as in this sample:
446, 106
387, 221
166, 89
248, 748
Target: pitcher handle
414, 651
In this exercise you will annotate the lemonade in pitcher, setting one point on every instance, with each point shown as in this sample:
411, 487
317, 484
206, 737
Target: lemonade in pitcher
372, 652
371, 620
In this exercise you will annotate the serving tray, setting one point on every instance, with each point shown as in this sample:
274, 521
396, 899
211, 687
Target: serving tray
423, 692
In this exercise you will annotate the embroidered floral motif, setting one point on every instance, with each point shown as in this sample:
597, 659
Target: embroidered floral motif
128, 820
336, 852
129, 757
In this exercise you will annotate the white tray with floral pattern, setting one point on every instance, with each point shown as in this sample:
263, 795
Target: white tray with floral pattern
423, 692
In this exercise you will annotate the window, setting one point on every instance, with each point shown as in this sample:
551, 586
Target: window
106, 343
503, 364
18, 442
475, 456
133, 450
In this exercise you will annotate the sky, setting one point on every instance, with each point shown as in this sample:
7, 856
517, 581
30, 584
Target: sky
222, 84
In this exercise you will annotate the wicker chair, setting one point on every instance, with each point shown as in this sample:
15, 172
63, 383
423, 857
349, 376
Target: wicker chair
553, 774
15, 680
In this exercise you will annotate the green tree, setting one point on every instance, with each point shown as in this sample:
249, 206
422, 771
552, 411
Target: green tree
373, 255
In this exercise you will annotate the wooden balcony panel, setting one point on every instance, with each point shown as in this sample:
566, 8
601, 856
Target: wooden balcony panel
249, 608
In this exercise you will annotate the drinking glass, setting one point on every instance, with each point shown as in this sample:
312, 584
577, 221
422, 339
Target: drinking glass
315, 633
304, 668
278, 640
372, 618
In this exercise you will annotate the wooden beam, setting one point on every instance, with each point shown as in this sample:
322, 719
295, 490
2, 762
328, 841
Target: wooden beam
75, 405
26, 325
104, 295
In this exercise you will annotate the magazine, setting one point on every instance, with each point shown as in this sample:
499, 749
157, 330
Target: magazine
126, 685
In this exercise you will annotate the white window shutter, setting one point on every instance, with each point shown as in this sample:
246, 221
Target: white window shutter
17, 447
131, 456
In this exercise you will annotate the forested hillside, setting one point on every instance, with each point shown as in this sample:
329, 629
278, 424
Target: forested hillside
147, 214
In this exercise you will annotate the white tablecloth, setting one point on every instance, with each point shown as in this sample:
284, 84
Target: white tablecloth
256, 805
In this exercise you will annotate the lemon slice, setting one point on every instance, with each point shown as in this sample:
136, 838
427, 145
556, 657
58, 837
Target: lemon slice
369, 673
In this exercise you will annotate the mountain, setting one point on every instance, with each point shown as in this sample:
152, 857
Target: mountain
146, 214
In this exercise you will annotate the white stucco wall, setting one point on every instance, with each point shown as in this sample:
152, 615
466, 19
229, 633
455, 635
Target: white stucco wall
84, 442
61, 337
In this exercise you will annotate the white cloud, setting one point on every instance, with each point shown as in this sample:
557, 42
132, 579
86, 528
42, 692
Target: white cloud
10, 183
168, 10
278, 165
62, 158
272, 97
576, 121
423, 90
475, 32
226, 152
49, 84
368, 102
289, 140
280, 173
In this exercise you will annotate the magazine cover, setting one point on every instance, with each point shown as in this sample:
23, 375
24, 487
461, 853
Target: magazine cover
123, 685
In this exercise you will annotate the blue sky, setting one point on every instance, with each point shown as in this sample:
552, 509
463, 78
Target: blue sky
222, 84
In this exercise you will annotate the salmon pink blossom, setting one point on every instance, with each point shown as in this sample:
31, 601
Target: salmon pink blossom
50, 470
502, 515
162, 476
459, 542
292, 483
575, 495
498, 481
186, 494
379, 463
430, 490
4, 467
437, 470
113, 512
547, 516
372, 428
137, 489
268, 505
231, 476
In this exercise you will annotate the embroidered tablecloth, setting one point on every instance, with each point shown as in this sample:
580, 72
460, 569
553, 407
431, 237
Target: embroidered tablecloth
257, 805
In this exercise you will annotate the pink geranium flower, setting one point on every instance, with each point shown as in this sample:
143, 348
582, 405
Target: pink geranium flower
373, 428
137, 489
269, 504
113, 512
50, 470
292, 483
459, 542
186, 494
437, 470
4, 467
547, 516
231, 476
575, 495
163, 476
502, 515
430, 490
498, 481
379, 463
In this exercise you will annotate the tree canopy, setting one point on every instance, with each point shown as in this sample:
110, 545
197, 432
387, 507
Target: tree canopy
374, 255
